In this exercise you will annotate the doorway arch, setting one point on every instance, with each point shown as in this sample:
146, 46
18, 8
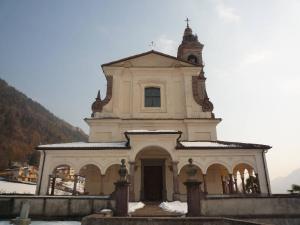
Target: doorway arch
154, 174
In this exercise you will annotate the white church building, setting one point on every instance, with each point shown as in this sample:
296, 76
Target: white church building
157, 115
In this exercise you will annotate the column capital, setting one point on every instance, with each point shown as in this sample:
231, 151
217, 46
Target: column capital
132, 162
175, 162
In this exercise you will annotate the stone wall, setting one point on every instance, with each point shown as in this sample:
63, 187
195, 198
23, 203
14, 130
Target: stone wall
66, 207
277, 209
251, 206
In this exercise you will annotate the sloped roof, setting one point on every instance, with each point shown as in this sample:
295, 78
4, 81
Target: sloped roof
147, 53
181, 145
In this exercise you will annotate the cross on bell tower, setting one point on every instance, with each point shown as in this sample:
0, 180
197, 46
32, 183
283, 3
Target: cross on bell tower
187, 22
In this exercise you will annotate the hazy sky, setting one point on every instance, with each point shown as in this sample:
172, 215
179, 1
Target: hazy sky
52, 51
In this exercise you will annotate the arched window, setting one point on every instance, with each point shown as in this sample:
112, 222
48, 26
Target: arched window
192, 59
152, 97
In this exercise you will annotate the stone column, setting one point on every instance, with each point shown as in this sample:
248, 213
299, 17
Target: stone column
131, 180
251, 178
175, 181
102, 184
235, 185
75, 184
258, 184
204, 183
49, 184
223, 184
243, 183
230, 184
53, 185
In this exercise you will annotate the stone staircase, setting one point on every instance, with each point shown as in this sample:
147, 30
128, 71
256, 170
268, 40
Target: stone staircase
96, 219
152, 214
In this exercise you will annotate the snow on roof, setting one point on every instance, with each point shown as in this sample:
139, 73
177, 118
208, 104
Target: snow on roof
86, 145
152, 131
204, 144
13, 187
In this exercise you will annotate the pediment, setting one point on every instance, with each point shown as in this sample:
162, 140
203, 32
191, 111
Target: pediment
150, 59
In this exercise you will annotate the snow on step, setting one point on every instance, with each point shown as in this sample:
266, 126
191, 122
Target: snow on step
176, 207
133, 206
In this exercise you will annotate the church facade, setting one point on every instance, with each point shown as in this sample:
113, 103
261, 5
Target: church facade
157, 115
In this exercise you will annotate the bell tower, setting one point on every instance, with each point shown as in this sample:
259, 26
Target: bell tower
190, 48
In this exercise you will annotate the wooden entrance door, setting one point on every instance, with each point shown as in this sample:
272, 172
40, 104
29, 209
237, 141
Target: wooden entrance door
153, 183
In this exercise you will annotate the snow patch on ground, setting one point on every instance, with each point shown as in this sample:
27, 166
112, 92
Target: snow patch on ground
12, 187
47, 223
176, 207
133, 206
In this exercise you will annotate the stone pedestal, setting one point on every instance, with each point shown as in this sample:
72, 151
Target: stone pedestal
193, 197
122, 198
23, 219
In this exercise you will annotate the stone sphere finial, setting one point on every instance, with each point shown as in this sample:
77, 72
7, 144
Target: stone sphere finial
192, 169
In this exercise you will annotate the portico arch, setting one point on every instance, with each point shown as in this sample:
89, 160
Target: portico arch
182, 177
61, 180
154, 148
247, 181
152, 176
92, 179
110, 177
218, 179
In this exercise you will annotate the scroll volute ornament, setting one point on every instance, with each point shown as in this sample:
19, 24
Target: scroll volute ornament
98, 104
207, 106
200, 94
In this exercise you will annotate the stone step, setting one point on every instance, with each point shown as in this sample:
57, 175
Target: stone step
98, 220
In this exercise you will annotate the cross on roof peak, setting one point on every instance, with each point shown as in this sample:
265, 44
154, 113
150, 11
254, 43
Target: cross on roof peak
152, 45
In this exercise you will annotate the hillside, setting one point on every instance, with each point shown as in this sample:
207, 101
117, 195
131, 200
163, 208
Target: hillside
282, 184
25, 123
